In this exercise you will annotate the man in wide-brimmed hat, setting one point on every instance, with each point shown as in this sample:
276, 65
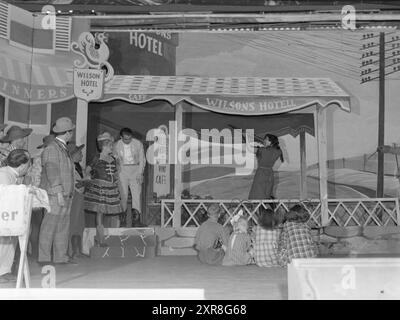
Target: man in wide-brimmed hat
58, 180
16, 139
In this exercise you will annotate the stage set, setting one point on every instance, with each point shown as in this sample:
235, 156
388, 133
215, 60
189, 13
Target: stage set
107, 79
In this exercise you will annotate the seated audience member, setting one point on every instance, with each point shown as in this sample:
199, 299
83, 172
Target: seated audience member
266, 239
238, 251
210, 238
296, 240
17, 165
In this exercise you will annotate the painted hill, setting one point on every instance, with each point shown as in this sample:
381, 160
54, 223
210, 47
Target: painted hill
287, 185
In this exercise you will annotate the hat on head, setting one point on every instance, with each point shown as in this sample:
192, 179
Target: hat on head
105, 136
46, 141
73, 148
16, 132
3, 126
63, 124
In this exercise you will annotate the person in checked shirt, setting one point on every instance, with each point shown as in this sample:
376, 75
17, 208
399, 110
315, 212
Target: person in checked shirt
296, 240
266, 239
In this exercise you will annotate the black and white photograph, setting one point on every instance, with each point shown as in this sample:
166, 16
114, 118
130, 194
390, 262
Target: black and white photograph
197, 150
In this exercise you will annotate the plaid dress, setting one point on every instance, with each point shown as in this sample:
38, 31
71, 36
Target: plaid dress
296, 241
266, 247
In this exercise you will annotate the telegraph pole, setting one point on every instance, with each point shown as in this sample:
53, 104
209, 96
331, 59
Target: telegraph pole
381, 117
368, 60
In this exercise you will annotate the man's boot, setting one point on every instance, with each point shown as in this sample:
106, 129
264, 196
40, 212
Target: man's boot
123, 220
136, 219
76, 243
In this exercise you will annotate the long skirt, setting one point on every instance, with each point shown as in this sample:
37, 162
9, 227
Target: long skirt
77, 222
103, 197
263, 184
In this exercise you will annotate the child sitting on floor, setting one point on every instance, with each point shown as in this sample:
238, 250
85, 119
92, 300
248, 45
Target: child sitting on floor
266, 239
210, 238
238, 251
296, 240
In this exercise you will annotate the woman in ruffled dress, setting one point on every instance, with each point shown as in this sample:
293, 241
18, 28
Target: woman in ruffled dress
102, 194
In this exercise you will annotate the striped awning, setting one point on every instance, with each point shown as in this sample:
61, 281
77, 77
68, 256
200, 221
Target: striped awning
232, 95
34, 84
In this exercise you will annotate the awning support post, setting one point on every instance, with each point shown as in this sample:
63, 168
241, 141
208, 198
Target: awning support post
303, 166
177, 219
322, 161
81, 125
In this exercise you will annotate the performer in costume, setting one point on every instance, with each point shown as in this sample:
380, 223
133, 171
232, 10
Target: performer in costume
102, 194
267, 155
57, 178
130, 155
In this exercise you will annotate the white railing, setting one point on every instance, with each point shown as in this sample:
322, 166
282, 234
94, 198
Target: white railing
340, 212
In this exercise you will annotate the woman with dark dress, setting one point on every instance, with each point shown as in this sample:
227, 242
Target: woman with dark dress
102, 193
267, 154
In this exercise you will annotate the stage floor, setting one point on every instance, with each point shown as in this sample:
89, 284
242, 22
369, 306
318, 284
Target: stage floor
174, 272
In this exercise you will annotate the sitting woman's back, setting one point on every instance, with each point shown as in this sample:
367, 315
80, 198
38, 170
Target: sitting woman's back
296, 240
266, 239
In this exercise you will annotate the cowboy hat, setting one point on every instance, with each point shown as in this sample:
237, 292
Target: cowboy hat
46, 141
63, 124
16, 132
73, 148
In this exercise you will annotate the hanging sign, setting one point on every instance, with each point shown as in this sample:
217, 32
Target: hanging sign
161, 177
88, 84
